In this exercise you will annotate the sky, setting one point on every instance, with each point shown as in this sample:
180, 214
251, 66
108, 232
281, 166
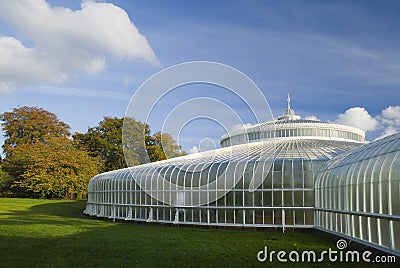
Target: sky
83, 60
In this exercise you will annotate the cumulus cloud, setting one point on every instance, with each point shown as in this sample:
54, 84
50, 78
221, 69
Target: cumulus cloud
389, 120
194, 150
64, 42
358, 117
391, 116
22, 64
382, 125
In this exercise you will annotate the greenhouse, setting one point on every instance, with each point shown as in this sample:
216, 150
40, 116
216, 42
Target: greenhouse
263, 176
357, 194
286, 173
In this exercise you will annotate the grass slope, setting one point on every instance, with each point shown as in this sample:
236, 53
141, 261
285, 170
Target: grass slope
50, 233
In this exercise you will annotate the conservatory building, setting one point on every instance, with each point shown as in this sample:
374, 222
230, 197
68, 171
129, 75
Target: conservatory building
286, 173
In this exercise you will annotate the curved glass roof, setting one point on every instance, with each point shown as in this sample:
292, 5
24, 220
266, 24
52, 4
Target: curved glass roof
293, 148
374, 149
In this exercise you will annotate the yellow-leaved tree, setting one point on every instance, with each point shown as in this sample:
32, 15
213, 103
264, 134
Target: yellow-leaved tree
41, 158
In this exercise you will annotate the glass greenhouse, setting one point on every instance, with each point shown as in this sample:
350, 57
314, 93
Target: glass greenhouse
284, 173
357, 194
262, 176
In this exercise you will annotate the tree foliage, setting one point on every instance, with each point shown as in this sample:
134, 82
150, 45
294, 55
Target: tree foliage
135, 136
5, 183
162, 146
54, 169
105, 141
40, 157
28, 125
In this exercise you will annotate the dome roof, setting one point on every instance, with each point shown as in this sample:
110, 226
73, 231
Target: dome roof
290, 125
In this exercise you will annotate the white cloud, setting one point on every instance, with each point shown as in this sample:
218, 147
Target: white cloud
358, 117
20, 64
389, 121
391, 116
66, 42
194, 150
390, 130
312, 117
385, 124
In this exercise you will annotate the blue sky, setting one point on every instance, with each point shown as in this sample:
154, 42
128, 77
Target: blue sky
339, 60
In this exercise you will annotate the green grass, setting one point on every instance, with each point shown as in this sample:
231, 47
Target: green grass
51, 233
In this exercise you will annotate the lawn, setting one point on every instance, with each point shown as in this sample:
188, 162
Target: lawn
51, 233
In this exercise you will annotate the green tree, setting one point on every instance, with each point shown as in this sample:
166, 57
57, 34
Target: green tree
5, 183
105, 141
161, 146
135, 135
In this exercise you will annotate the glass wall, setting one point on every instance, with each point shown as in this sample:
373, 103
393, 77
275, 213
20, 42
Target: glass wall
357, 194
286, 170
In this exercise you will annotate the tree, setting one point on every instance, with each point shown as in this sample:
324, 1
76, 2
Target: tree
5, 183
162, 146
105, 141
40, 157
54, 169
135, 134
28, 125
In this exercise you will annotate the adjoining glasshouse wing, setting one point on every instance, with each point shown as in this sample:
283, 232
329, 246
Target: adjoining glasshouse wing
266, 175
357, 194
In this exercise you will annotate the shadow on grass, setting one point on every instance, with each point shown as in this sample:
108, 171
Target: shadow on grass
56, 234
49, 213
72, 209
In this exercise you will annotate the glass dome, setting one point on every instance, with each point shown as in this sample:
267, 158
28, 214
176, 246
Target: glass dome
290, 125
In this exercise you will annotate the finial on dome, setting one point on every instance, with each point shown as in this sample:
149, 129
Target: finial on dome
289, 113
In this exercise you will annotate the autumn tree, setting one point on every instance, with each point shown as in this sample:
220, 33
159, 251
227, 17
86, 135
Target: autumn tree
52, 169
40, 157
28, 125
